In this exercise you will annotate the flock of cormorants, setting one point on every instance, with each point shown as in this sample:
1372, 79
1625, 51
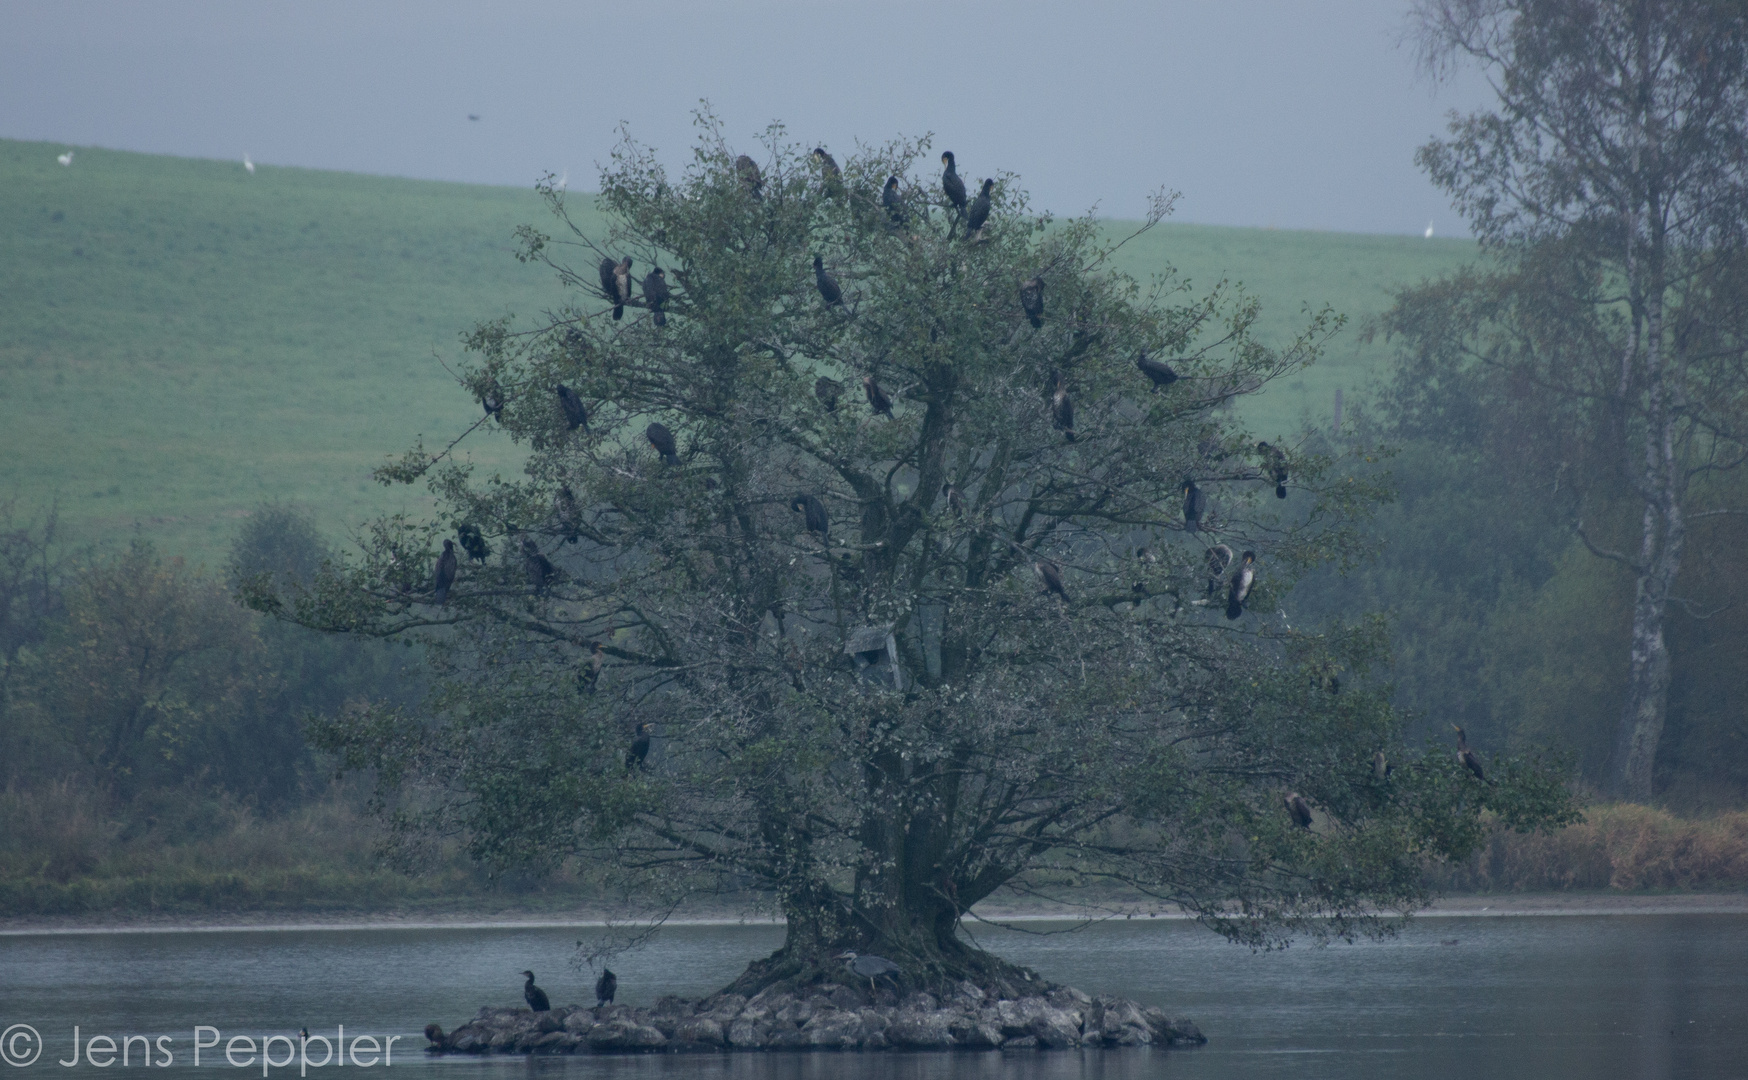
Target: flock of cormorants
606, 987
617, 288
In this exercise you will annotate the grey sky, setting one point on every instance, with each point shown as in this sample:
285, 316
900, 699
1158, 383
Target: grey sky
1290, 114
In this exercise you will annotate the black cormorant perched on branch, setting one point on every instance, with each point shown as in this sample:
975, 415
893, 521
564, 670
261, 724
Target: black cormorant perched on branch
951, 183
445, 575
474, 542
750, 176
1381, 767
1219, 558
634, 758
894, 204
538, 566
1299, 808
663, 440
1160, 374
1051, 576
574, 414
491, 397
877, 399
616, 283
1032, 300
589, 675
534, 995
828, 285
1275, 461
828, 391
869, 967
829, 172
1242, 579
606, 987
955, 501
979, 212
1467, 757
655, 294
1061, 405
813, 512
1195, 505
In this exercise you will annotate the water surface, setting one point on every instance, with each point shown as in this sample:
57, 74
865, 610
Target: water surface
1643, 996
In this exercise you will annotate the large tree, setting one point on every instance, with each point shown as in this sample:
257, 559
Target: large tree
899, 605
1605, 344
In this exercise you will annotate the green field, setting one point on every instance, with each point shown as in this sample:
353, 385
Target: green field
180, 341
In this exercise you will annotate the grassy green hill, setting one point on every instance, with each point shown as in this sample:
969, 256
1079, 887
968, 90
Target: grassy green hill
180, 340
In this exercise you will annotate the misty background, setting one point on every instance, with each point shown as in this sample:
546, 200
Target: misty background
1271, 114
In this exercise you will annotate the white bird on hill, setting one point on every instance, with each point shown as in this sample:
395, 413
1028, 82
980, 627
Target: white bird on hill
250, 166
66, 158
1428, 233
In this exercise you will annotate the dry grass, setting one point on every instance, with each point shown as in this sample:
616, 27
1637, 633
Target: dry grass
1620, 846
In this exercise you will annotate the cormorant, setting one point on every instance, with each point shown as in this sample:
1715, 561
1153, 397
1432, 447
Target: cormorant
1381, 767
590, 674
869, 967
1275, 461
829, 171
538, 566
655, 294
1160, 374
813, 512
663, 440
567, 514
1146, 556
877, 399
1467, 756
1242, 579
750, 176
828, 285
534, 995
433, 1034
894, 204
828, 391
979, 212
1061, 406
639, 746
1195, 505
445, 575
1052, 577
1219, 558
1299, 808
951, 183
574, 414
1032, 300
955, 501
491, 397
605, 987
474, 542
616, 283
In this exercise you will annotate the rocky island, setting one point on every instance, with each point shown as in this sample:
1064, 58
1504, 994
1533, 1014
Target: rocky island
825, 1016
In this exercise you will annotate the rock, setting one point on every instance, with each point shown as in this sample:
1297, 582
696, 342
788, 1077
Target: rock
794, 1012
921, 1002
1056, 1029
699, 1029
920, 1030
1067, 997
502, 1040
724, 1007
975, 1033
554, 1042
1021, 1042
549, 1023
468, 1043
1169, 1032
579, 1023
1118, 1022
747, 1034
765, 1003
625, 1035
968, 996
833, 1029
1015, 1015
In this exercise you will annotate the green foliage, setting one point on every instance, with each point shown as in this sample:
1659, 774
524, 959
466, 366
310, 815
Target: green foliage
880, 726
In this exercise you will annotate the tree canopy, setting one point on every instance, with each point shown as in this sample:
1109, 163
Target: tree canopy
899, 605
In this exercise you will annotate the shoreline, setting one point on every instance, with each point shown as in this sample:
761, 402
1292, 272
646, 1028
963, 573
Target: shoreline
1522, 905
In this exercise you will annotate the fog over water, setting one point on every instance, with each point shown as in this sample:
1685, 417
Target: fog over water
1262, 112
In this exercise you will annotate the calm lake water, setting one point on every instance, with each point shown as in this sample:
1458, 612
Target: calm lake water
1642, 996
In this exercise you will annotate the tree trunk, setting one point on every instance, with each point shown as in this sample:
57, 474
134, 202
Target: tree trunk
1662, 535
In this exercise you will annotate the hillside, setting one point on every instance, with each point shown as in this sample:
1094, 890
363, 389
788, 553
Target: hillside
180, 340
